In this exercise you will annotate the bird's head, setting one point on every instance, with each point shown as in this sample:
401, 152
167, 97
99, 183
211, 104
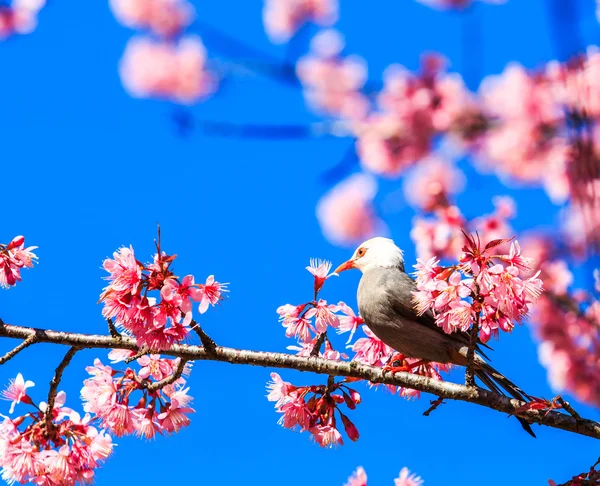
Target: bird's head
374, 253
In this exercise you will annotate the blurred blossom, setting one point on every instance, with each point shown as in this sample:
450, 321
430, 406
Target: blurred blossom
283, 18
164, 17
455, 4
332, 83
19, 17
524, 141
175, 71
358, 478
346, 213
432, 183
414, 108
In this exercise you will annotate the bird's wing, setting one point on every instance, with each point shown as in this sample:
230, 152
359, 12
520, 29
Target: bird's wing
401, 301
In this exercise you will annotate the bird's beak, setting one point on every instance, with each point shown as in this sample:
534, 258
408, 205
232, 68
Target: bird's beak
345, 266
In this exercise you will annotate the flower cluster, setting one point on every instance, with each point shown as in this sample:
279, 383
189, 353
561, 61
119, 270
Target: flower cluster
109, 395
19, 17
172, 66
412, 110
14, 257
486, 288
441, 235
313, 409
566, 322
57, 449
283, 18
406, 478
155, 322
331, 82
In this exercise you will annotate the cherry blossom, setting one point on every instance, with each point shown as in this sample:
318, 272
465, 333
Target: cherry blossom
62, 451
210, 293
407, 478
432, 183
320, 270
14, 257
175, 71
17, 391
348, 322
283, 18
164, 17
332, 83
358, 478
109, 395
498, 295
346, 212
19, 17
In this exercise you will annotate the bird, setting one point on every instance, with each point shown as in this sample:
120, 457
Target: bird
385, 295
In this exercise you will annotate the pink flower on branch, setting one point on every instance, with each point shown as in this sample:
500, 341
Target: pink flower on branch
478, 287
16, 392
155, 322
320, 270
14, 257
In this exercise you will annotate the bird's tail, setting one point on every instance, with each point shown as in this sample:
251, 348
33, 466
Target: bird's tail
495, 380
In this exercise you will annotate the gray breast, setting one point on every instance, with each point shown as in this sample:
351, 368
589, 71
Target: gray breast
384, 301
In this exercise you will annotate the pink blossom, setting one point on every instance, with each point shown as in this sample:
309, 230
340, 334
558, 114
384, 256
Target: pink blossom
440, 236
320, 270
324, 316
210, 293
358, 478
279, 390
154, 366
295, 325
407, 478
331, 82
283, 18
16, 392
452, 4
174, 418
165, 17
14, 257
175, 71
346, 213
326, 435
349, 322
432, 183
295, 413
20, 17
371, 350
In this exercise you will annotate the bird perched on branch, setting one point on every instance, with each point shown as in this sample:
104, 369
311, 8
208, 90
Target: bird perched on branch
385, 295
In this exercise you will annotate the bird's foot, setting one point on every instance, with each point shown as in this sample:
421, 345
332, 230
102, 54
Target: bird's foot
404, 366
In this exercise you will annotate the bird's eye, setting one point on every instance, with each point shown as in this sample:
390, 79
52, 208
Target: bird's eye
361, 252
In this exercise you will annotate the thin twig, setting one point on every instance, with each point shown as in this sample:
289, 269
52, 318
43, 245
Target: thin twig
54, 385
112, 329
318, 344
443, 389
206, 340
12, 353
567, 406
470, 374
138, 355
434, 404
169, 379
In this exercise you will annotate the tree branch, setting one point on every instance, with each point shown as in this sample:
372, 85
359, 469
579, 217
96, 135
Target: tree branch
442, 389
13, 352
55, 382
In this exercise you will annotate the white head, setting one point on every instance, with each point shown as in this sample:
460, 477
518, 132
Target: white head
374, 253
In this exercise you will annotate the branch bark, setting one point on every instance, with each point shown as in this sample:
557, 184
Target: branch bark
442, 389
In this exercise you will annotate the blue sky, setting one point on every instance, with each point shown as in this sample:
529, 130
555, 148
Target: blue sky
86, 169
